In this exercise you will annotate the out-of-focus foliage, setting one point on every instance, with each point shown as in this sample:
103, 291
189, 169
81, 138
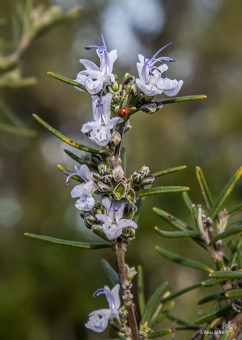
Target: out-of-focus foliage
45, 290
28, 22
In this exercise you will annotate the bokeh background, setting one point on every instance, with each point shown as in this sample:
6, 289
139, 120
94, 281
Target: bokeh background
46, 290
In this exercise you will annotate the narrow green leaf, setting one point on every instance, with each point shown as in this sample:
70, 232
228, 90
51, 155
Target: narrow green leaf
181, 260
182, 322
140, 283
159, 333
204, 188
66, 172
153, 302
233, 221
187, 201
63, 138
169, 171
161, 190
214, 315
181, 99
226, 275
180, 292
234, 293
210, 298
17, 130
225, 193
164, 312
212, 282
110, 272
123, 158
172, 220
235, 209
227, 233
226, 335
177, 234
75, 244
78, 159
66, 80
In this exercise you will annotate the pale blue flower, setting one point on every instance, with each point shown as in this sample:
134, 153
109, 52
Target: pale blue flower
150, 79
100, 128
113, 223
94, 78
84, 190
98, 320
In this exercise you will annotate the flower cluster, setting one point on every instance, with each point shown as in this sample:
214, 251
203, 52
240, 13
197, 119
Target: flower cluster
105, 196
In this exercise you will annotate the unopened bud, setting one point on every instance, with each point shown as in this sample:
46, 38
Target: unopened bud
102, 168
89, 220
106, 178
147, 180
103, 187
96, 176
145, 169
115, 138
136, 91
149, 108
137, 177
118, 173
126, 76
115, 86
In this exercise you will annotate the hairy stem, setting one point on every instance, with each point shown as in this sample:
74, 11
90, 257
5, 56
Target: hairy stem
120, 249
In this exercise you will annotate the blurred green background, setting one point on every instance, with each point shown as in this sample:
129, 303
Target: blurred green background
46, 290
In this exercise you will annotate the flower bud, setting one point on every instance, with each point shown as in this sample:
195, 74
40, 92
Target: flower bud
145, 169
136, 91
147, 180
89, 220
102, 168
96, 176
137, 177
103, 187
126, 76
115, 86
118, 173
149, 108
115, 138
106, 178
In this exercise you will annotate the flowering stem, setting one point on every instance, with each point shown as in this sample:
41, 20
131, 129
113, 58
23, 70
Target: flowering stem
120, 249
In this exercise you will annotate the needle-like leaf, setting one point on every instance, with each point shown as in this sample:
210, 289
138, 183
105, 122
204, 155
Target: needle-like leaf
66, 80
75, 244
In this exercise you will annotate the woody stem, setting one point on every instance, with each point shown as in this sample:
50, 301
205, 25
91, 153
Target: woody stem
120, 249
